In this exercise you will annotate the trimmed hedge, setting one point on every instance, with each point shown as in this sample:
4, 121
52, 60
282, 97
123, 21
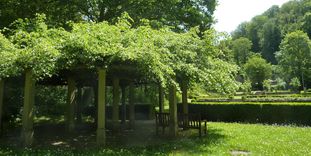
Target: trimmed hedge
254, 113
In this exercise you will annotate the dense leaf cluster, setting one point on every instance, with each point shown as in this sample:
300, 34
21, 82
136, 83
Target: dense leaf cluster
160, 55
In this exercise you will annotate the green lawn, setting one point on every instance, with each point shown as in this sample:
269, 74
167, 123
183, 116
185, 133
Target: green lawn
223, 138
255, 103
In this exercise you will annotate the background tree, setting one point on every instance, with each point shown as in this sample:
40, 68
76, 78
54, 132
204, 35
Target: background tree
267, 85
266, 30
182, 15
295, 84
241, 50
295, 55
257, 70
306, 25
270, 41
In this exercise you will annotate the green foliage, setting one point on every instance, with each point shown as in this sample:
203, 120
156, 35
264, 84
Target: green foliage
257, 70
222, 139
295, 55
267, 85
270, 41
159, 55
306, 25
182, 15
246, 86
241, 48
8, 56
37, 46
266, 30
295, 83
280, 84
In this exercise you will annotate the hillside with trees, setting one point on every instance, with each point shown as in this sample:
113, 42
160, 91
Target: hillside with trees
281, 35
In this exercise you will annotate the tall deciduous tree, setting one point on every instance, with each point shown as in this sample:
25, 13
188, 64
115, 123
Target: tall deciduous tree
258, 70
306, 25
242, 50
181, 14
270, 41
295, 55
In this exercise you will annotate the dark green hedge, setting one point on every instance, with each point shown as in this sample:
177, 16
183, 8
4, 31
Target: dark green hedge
252, 113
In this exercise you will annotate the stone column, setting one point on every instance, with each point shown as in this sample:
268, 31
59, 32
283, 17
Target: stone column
27, 118
79, 104
101, 108
173, 111
115, 103
123, 105
184, 89
1, 99
71, 102
132, 106
161, 99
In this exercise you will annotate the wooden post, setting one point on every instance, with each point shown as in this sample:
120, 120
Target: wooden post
101, 108
27, 118
115, 103
173, 111
1, 101
71, 102
161, 99
184, 89
132, 106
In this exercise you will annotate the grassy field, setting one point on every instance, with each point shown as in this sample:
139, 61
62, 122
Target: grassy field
222, 139
255, 103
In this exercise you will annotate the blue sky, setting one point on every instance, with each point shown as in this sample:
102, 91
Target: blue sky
230, 13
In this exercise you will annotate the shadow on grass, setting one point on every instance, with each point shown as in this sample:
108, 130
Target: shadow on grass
54, 140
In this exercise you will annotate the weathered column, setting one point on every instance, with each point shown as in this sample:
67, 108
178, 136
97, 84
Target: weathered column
161, 99
131, 106
173, 111
184, 90
71, 102
101, 108
123, 120
79, 105
27, 118
1, 99
115, 103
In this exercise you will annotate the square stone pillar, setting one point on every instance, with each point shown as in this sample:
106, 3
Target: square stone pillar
131, 106
123, 108
115, 104
101, 108
184, 90
173, 127
161, 99
71, 104
28, 111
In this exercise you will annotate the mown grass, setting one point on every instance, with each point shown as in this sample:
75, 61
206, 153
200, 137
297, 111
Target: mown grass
254, 103
222, 139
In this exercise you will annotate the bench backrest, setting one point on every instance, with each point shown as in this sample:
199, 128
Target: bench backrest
184, 120
162, 119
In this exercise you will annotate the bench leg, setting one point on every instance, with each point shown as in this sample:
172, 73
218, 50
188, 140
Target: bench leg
200, 131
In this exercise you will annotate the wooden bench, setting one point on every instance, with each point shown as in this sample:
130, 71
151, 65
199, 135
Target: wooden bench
185, 121
192, 121
162, 120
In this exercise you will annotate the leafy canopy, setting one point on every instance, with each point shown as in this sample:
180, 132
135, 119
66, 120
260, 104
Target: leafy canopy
160, 55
